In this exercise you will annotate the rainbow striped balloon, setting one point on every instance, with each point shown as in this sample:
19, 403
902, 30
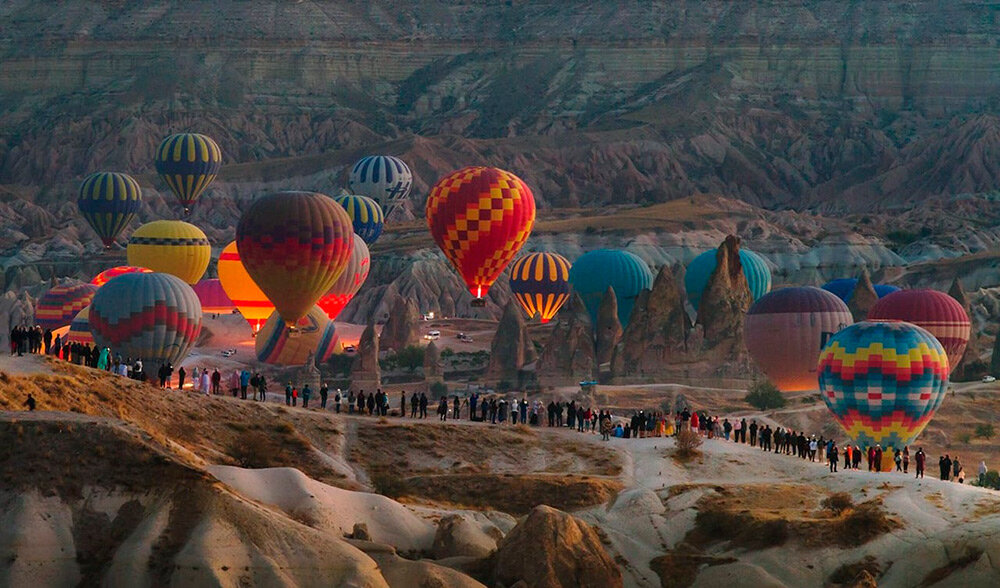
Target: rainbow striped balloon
883, 381
188, 163
57, 307
79, 329
105, 276
315, 333
366, 216
540, 283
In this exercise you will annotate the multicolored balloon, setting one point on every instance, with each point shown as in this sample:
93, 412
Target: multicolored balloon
314, 333
480, 217
844, 288
213, 297
172, 247
188, 163
366, 216
540, 283
79, 329
349, 282
105, 276
109, 201
382, 177
940, 314
57, 307
294, 245
786, 329
246, 295
624, 272
883, 381
154, 317
699, 271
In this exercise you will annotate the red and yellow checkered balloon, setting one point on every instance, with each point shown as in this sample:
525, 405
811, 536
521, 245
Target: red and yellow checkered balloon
480, 217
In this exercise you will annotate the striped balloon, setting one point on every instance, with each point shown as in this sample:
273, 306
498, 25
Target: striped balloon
382, 177
935, 311
109, 202
79, 329
213, 297
188, 163
315, 334
171, 247
154, 317
242, 290
105, 276
540, 283
349, 282
699, 271
883, 381
366, 216
57, 307
844, 288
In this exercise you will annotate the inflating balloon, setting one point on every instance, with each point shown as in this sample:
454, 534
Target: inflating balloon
700, 270
349, 282
540, 283
314, 334
109, 202
883, 381
188, 163
786, 329
480, 217
57, 307
382, 177
624, 272
844, 288
172, 247
294, 245
242, 290
154, 317
105, 276
213, 297
366, 216
940, 314
79, 329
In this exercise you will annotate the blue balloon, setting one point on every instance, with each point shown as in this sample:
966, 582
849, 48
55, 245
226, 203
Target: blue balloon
843, 288
624, 272
700, 270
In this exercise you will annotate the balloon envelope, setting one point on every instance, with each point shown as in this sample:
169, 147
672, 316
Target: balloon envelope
314, 334
480, 217
937, 312
366, 216
171, 247
786, 329
155, 317
883, 381
79, 329
700, 270
540, 283
109, 201
57, 307
382, 177
349, 282
241, 289
213, 297
105, 276
188, 163
624, 272
844, 288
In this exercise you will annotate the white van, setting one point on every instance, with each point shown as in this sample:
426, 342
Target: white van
433, 335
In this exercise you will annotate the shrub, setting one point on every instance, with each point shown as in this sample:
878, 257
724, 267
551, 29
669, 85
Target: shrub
253, 450
411, 357
965, 438
838, 502
763, 395
447, 352
990, 480
688, 443
985, 431
439, 389
388, 483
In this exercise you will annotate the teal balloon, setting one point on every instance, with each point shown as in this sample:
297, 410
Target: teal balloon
624, 272
700, 270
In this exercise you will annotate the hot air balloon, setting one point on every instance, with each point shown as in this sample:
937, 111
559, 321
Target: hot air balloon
242, 290
109, 202
57, 307
349, 282
382, 177
188, 163
171, 247
540, 283
480, 217
213, 297
155, 317
105, 276
883, 381
315, 334
366, 216
786, 329
700, 270
294, 245
79, 329
844, 288
935, 311
624, 272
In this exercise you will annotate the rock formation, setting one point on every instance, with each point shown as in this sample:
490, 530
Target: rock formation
725, 302
15, 310
512, 348
658, 330
403, 326
552, 549
863, 298
365, 371
457, 535
569, 352
971, 366
433, 370
995, 358
310, 374
608, 329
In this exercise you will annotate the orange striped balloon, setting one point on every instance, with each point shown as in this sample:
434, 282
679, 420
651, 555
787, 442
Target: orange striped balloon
540, 283
242, 290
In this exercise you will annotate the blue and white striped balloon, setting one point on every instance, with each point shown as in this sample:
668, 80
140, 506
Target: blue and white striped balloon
384, 178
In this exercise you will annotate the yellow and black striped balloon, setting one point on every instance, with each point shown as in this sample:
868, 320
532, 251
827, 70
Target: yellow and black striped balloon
540, 282
109, 201
188, 163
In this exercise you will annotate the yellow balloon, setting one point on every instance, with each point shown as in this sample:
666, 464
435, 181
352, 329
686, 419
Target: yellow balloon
171, 247
241, 289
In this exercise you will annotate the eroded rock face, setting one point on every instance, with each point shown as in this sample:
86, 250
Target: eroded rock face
569, 352
511, 349
458, 536
15, 310
609, 329
971, 366
725, 302
658, 330
433, 369
403, 327
552, 549
365, 371
863, 298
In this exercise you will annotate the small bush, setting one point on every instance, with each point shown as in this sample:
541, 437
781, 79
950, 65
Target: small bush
253, 450
688, 443
965, 438
985, 431
439, 389
838, 502
763, 395
990, 480
388, 483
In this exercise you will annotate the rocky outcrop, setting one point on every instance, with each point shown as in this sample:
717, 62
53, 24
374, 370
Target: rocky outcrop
725, 301
457, 535
971, 366
657, 333
863, 298
608, 328
15, 310
569, 351
512, 348
433, 369
552, 549
365, 371
403, 327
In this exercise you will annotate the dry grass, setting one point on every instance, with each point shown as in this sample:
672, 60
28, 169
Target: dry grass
849, 574
941, 573
679, 569
687, 444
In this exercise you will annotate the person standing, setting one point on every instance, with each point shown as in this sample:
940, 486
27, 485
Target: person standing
906, 459
897, 457
982, 473
921, 459
456, 408
945, 464
832, 457
181, 374
48, 340
443, 409
288, 394
324, 393
337, 398
423, 405
216, 381
402, 404
30, 402
306, 394
414, 405
956, 468
244, 383
206, 385
350, 401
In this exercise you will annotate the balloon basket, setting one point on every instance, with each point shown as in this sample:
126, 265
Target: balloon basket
478, 303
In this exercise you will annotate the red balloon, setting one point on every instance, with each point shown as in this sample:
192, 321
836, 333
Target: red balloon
934, 311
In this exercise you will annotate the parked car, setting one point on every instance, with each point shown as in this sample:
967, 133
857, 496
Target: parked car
350, 349
988, 379
433, 335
